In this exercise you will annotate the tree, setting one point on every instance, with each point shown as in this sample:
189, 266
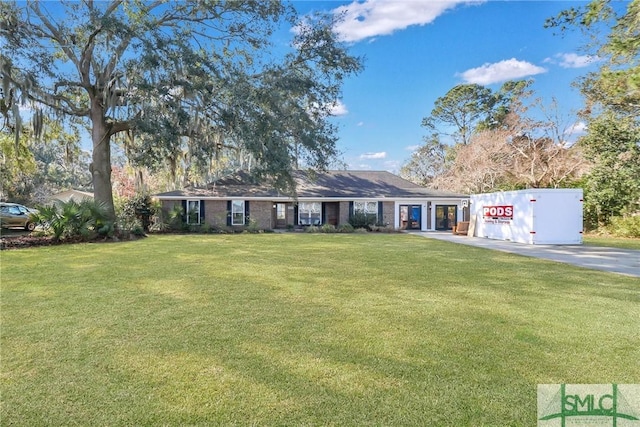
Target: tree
612, 108
470, 107
165, 77
508, 99
477, 167
426, 163
616, 85
514, 156
503, 149
17, 168
462, 108
31, 169
613, 186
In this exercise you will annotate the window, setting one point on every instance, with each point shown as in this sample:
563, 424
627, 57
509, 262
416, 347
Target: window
370, 209
237, 212
310, 213
281, 211
193, 211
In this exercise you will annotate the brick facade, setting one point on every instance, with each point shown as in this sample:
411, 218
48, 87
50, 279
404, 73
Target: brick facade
262, 213
388, 214
344, 213
215, 213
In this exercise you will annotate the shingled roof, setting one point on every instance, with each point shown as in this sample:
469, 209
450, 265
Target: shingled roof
330, 184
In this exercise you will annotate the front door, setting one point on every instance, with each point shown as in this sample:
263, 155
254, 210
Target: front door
281, 215
410, 217
331, 213
446, 217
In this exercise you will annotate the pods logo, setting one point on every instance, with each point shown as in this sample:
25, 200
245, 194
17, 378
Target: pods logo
498, 212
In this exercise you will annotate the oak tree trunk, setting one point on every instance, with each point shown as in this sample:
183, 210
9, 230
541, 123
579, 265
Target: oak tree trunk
101, 160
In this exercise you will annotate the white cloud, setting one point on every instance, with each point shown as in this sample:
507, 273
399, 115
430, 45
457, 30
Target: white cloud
411, 147
572, 60
372, 18
370, 156
338, 109
360, 124
501, 71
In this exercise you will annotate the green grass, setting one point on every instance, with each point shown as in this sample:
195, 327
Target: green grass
613, 242
291, 329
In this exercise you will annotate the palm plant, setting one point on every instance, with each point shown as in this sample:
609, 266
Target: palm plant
75, 219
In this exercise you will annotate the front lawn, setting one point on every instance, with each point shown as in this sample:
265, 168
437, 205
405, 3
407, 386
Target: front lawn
302, 329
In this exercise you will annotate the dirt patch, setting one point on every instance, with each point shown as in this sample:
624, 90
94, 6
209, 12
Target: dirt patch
24, 241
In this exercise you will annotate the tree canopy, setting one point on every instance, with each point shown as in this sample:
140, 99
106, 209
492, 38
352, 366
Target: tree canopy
612, 106
470, 107
616, 85
498, 145
462, 108
176, 81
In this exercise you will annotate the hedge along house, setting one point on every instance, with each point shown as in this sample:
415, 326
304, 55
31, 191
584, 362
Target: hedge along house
331, 197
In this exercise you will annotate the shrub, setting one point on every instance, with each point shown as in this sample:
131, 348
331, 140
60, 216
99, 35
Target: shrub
253, 226
138, 231
159, 224
137, 210
127, 224
382, 228
167, 220
627, 226
328, 228
223, 229
345, 228
311, 229
362, 220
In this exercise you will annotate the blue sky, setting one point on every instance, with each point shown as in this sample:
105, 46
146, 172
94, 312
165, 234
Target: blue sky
415, 51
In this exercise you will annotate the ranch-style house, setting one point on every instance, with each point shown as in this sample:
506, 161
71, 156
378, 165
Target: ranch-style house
330, 197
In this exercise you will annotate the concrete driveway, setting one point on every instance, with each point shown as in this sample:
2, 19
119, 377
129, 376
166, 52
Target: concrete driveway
621, 261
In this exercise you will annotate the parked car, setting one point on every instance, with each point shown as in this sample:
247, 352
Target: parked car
15, 215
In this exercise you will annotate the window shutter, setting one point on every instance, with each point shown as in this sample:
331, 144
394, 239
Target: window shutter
201, 211
184, 211
229, 212
296, 220
350, 210
380, 218
323, 218
246, 212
